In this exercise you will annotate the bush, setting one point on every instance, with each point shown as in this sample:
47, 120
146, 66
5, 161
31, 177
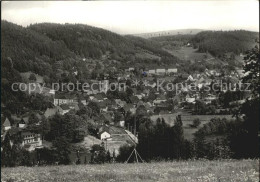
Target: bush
32, 77
196, 122
124, 153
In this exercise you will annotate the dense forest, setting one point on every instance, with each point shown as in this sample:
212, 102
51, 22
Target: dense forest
39, 47
215, 42
220, 42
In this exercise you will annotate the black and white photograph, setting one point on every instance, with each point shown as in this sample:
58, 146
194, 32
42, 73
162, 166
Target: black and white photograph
130, 91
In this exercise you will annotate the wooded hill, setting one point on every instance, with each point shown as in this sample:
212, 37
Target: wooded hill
37, 47
215, 42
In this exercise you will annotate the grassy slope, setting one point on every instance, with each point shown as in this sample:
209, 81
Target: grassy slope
230, 170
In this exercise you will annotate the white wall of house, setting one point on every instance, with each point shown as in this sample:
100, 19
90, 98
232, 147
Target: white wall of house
7, 128
21, 125
104, 135
190, 99
58, 102
122, 123
34, 140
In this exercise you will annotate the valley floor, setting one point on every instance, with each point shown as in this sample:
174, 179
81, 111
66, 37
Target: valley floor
197, 170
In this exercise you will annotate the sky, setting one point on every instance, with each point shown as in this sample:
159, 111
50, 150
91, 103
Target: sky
133, 17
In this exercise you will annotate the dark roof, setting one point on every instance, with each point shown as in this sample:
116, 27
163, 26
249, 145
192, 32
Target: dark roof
65, 96
22, 121
106, 117
100, 96
134, 99
65, 107
103, 128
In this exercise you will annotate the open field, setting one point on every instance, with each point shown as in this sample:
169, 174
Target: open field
188, 53
187, 119
198, 170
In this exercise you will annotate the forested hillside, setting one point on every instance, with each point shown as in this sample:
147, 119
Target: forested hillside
215, 42
85, 40
38, 47
221, 42
29, 50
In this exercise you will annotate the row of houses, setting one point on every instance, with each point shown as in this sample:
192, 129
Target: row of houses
161, 71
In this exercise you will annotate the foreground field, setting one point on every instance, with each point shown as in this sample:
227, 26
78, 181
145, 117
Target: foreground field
206, 171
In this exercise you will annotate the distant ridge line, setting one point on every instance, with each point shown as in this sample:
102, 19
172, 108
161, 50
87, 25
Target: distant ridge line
169, 32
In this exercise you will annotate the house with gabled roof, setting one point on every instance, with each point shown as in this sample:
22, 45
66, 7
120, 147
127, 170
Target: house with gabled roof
22, 123
65, 109
64, 99
104, 133
7, 124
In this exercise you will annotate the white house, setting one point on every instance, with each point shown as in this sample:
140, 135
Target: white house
21, 124
122, 123
7, 124
31, 140
172, 70
190, 99
104, 135
58, 102
160, 71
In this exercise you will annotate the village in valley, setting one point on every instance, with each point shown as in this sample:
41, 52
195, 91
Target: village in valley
130, 91
112, 113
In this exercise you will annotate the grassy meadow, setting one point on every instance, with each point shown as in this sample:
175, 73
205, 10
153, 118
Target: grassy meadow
182, 171
187, 119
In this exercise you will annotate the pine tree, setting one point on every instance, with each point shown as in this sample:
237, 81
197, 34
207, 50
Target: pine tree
108, 157
6, 154
85, 160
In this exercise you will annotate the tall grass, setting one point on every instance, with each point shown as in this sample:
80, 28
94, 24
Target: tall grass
181, 171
